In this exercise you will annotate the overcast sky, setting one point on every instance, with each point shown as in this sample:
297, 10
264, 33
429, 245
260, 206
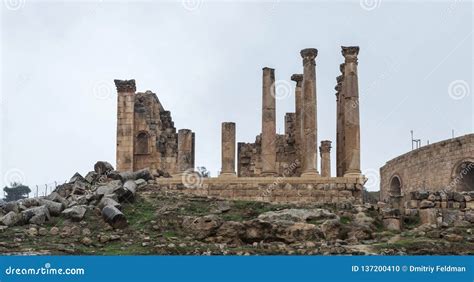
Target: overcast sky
204, 60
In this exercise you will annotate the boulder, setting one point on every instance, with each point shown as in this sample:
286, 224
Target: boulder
257, 230
140, 182
36, 215
428, 216
10, 219
425, 204
92, 177
450, 216
106, 201
297, 215
144, 174
114, 217
77, 177
109, 188
453, 237
103, 168
75, 213
202, 227
297, 232
127, 191
331, 229
469, 216
55, 197
30, 202
393, 224
230, 232
54, 208
11, 207
458, 197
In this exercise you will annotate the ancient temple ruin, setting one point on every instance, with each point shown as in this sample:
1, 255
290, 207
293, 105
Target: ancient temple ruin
276, 167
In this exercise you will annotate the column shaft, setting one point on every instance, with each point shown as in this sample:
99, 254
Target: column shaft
125, 124
299, 137
325, 151
340, 127
351, 112
268, 123
309, 113
185, 150
228, 149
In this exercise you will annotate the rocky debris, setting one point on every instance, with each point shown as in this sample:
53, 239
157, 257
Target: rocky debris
202, 227
75, 213
103, 168
127, 191
297, 215
11, 219
54, 231
86, 241
144, 174
107, 201
426, 204
114, 217
331, 229
36, 215
42, 231
54, 208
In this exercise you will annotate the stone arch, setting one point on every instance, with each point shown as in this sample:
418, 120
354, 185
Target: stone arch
395, 188
462, 176
142, 143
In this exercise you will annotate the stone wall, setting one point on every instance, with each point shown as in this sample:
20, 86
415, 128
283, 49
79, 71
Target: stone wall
146, 135
249, 162
447, 165
339, 190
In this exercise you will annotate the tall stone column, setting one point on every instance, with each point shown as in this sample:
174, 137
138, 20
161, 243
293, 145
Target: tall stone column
185, 150
268, 123
310, 154
325, 151
125, 124
299, 137
351, 112
339, 127
228, 149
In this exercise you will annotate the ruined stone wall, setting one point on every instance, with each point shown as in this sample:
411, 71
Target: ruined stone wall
446, 165
249, 161
338, 191
146, 136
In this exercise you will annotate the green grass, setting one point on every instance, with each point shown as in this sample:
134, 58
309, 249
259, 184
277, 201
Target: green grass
139, 213
345, 220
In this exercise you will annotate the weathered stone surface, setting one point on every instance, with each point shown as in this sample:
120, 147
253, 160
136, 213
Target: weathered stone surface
114, 217
109, 188
202, 227
53, 207
75, 213
393, 224
36, 215
428, 216
426, 204
297, 215
103, 167
11, 218
331, 229
106, 201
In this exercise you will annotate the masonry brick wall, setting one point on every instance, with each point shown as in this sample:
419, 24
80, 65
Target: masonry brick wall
429, 168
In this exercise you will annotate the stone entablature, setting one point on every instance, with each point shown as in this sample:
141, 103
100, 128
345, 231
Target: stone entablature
443, 166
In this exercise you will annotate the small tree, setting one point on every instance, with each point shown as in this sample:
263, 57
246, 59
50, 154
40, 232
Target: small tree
202, 170
17, 191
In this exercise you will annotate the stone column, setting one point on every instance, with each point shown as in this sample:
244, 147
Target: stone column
325, 151
268, 123
350, 88
310, 153
185, 150
299, 137
228, 149
125, 124
339, 127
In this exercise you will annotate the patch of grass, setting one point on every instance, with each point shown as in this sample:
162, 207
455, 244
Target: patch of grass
345, 220
139, 213
196, 208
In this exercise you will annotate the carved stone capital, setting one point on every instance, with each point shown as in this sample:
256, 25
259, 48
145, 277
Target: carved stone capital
325, 146
309, 55
350, 53
298, 78
125, 85
341, 68
339, 79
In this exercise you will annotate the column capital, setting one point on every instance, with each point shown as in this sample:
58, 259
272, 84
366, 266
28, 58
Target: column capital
309, 55
350, 53
339, 79
298, 78
341, 68
325, 146
125, 85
